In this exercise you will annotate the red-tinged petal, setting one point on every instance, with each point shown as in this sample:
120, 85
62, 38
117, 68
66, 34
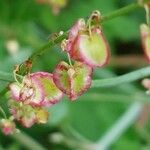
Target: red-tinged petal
93, 48
15, 90
145, 35
80, 80
52, 94
61, 77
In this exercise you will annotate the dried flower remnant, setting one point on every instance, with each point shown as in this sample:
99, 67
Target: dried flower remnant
73, 80
145, 36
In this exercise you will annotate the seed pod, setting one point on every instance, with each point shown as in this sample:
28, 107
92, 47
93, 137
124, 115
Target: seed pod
52, 94
145, 36
38, 89
73, 80
91, 49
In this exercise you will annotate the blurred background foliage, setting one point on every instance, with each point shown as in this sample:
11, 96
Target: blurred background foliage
29, 25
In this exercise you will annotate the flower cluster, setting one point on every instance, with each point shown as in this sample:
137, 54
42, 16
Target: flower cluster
86, 47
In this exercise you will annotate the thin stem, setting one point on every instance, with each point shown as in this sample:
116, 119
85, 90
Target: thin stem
51, 43
120, 12
15, 77
89, 26
121, 125
69, 59
112, 97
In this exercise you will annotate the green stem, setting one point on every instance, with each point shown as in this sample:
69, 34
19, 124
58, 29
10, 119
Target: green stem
27, 141
51, 43
111, 97
120, 12
123, 79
